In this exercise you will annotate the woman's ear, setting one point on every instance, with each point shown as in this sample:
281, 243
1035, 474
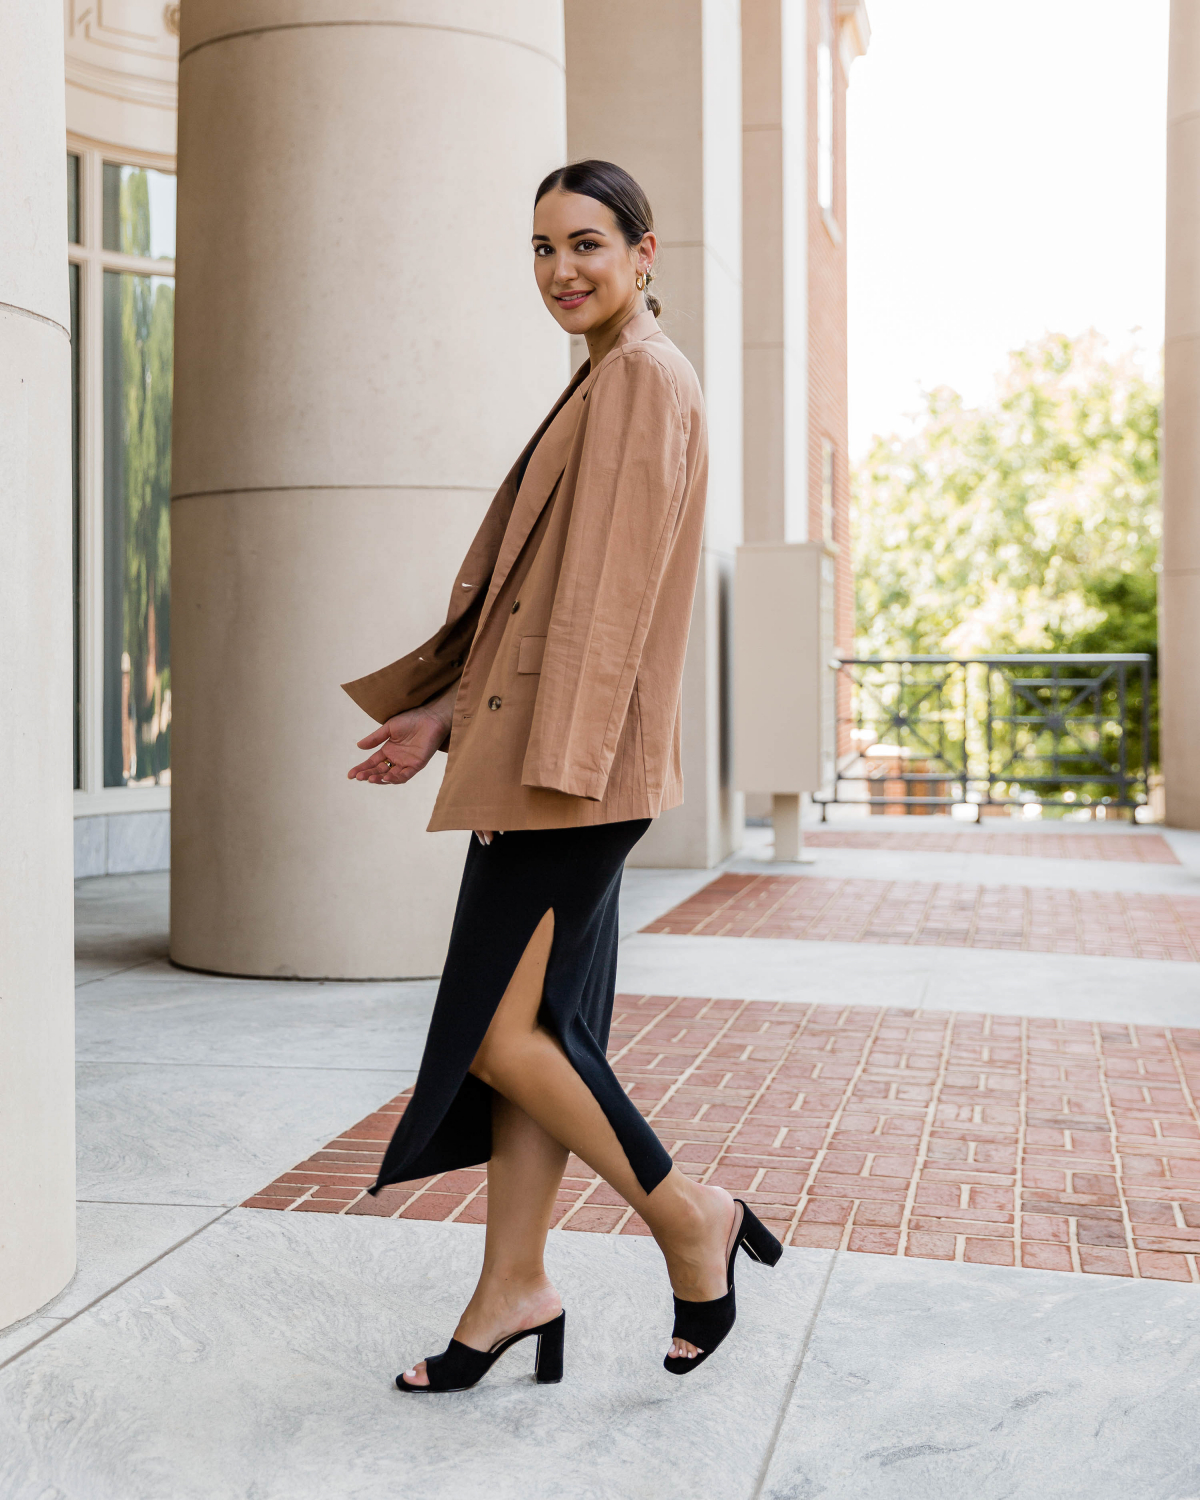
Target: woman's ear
647, 251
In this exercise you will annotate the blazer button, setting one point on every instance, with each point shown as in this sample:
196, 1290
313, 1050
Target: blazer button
494, 704
516, 606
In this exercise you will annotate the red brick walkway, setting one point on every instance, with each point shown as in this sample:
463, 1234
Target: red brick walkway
1138, 848
1105, 924
1060, 1145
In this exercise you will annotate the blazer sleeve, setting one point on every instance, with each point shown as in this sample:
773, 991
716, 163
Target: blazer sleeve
628, 492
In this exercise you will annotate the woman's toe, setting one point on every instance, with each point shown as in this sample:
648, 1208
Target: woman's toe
417, 1375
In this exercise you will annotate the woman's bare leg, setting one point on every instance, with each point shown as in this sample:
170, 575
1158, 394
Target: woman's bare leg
524, 1063
514, 1291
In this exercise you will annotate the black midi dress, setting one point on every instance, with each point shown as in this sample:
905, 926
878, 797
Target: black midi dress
507, 888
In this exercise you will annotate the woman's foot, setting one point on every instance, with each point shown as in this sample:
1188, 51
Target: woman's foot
698, 1256
499, 1307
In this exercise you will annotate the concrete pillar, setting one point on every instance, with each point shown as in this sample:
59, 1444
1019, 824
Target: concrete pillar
657, 89
775, 269
1179, 587
360, 354
37, 1124
774, 290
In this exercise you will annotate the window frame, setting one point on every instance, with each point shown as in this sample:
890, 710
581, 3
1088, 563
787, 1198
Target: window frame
827, 133
92, 797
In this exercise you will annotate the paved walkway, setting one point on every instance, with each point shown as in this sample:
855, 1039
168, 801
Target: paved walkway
1059, 1145
930, 1124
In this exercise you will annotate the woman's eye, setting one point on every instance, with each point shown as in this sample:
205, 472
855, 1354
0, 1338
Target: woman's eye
587, 245
542, 250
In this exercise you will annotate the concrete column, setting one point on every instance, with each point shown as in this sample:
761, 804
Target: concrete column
775, 287
360, 354
37, 1124
1179, 587
657, 89
775, 269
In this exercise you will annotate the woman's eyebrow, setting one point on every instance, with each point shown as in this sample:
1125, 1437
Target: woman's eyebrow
574, 234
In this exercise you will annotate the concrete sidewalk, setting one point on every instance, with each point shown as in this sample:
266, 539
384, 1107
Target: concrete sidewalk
209, 1350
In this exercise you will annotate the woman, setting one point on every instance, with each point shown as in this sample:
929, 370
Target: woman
555, 687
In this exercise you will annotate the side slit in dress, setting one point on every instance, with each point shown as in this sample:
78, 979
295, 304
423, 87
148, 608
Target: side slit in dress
507, 888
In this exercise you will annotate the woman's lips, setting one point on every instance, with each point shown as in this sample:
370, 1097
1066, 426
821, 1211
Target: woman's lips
572, 299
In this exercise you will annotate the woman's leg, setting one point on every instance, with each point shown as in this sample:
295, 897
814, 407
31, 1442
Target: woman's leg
525, 1063
514, 1291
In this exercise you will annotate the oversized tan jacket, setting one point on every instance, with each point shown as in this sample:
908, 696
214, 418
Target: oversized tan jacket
569, 618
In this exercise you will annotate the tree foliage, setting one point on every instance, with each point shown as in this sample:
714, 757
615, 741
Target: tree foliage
1029, 524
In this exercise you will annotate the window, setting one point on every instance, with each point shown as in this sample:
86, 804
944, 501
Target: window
825, 112
121, 223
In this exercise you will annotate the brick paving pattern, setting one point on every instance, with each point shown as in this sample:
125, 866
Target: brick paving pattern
1059, 1145
1105, 924
1136, 848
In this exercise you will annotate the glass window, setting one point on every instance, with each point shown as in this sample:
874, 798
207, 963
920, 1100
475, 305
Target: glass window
121, 226
139, 211
72, 198
825, 125
138, 345
73, 282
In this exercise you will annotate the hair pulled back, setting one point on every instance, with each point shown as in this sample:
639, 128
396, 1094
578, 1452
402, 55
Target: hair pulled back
620, 194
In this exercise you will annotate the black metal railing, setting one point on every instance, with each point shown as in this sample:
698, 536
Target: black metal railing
923, 733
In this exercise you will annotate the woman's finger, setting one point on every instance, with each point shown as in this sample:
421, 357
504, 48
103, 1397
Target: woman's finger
376, 737
377, 762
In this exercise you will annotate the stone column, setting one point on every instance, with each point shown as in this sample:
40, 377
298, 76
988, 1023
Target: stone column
657, 89
1179, 589
775, 266
360, 354
37, 1125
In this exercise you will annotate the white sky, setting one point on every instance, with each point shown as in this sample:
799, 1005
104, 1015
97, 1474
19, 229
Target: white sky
1006, 177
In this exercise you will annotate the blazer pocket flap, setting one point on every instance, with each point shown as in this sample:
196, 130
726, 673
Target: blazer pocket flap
530, 653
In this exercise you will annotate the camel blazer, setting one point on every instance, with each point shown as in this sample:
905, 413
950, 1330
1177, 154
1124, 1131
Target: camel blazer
568, 620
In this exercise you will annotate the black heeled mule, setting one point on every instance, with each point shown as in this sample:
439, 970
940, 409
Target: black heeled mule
706, 1324
459, 1367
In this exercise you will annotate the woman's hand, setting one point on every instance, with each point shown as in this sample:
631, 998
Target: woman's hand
406, 743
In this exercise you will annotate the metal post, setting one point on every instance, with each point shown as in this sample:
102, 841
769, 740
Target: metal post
1146, 729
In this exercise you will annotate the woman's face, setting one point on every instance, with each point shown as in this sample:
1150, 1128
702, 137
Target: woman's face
586, 272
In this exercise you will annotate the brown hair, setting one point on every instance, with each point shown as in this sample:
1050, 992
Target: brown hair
612, 186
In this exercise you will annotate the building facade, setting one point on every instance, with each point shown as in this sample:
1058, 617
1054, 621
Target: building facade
121, 100
787, 105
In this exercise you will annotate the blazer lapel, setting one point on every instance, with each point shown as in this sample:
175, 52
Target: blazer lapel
536, 474
541, 464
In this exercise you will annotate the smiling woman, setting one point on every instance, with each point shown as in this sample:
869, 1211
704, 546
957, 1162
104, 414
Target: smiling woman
586, 265
554, 685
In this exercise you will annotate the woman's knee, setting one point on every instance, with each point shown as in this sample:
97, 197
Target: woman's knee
494, 1061
508, 1051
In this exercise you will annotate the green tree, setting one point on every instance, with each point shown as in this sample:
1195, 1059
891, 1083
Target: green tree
147, 334
1028, 524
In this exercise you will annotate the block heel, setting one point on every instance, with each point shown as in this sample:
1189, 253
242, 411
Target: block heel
548, 1369
459, 1367
707, 1324
758, 1241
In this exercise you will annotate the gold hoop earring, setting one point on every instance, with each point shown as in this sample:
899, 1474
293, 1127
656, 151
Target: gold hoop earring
640, 281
